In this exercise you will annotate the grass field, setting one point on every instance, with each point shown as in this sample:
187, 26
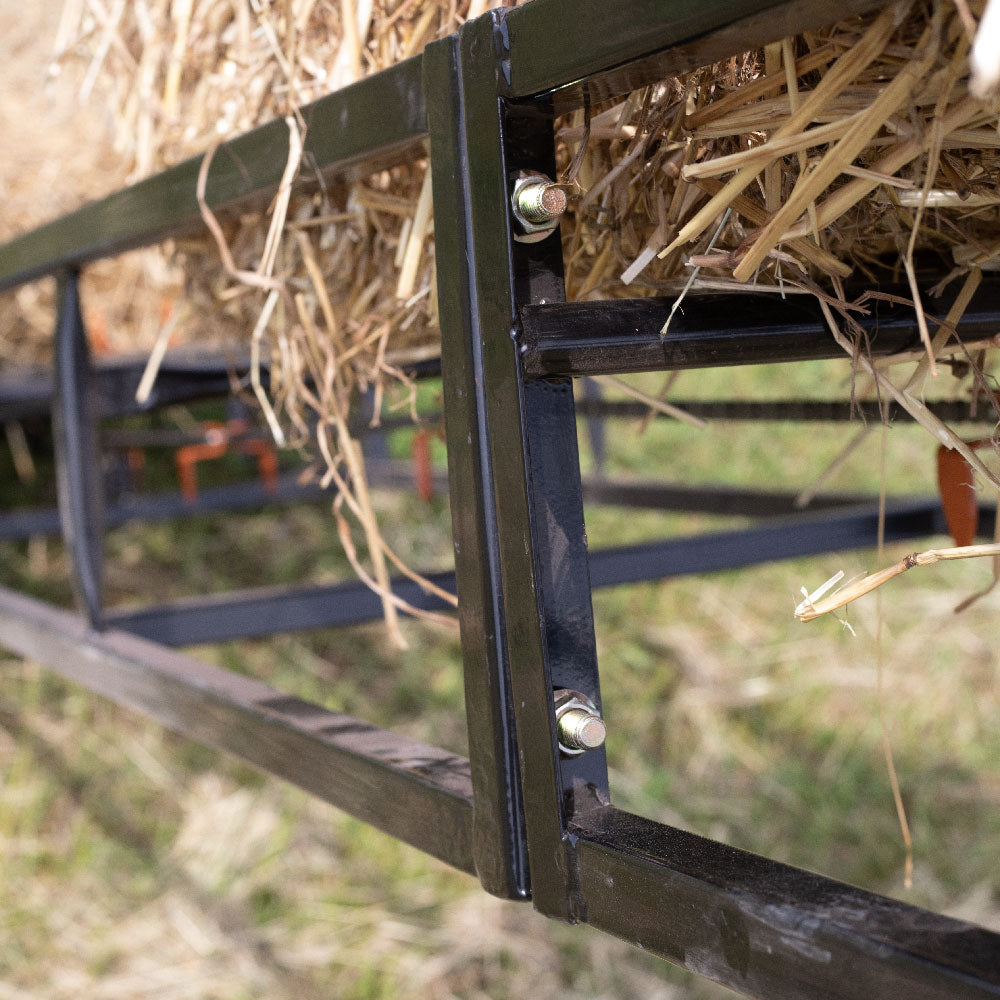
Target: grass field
136, 864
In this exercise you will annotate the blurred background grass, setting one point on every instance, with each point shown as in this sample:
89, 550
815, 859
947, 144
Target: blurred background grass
134, 863
138, 864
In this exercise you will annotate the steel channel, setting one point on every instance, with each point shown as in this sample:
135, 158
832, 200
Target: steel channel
952, 411
765, 929
271, 610
379, 117
182, 377
499, 833
264, 611
418, 793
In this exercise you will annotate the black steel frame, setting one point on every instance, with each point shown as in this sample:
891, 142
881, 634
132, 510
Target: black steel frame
528, 821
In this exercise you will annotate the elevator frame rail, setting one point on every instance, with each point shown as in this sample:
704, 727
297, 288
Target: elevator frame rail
528, 821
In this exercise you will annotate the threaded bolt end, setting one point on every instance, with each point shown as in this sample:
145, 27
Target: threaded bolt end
541, 201
581, 730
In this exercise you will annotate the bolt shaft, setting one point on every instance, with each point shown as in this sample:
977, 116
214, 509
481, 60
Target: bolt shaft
580, 729
541, 201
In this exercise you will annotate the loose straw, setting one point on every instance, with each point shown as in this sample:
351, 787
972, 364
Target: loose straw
663, 407
843, 71
816, 605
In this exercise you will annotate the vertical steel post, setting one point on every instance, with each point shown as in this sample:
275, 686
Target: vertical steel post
499, 846
78, 467
524, 589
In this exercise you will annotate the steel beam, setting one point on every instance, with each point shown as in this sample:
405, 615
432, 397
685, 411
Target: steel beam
766, 929
515, 483
573, 48
951, 411
252, 614
623, 335
499, 833
79, 481
420, 794
271, 610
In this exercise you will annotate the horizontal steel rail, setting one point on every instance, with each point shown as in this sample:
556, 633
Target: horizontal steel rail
766, 929
268, 611
576, 47
599, 49
623, 335
155, 507
27, 393
759, 926
817, 411
528, 819
181, 377
418, 793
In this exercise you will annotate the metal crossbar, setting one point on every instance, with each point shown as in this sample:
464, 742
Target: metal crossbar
529, 819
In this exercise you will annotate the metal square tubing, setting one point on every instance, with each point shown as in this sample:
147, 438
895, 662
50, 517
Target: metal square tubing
271, 610
80, 488
623, 335
514, 469
572, 47
382, 116
420, 794
766, 929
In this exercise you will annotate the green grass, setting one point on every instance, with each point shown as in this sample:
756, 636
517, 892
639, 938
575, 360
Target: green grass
135, 863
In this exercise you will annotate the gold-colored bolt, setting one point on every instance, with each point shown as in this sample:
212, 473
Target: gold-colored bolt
580, 729
540, 201
579, 726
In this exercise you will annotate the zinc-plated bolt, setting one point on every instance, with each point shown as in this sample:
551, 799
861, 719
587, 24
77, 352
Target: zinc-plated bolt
538, 204
579, 723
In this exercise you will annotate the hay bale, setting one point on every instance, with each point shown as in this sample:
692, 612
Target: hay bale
831, 149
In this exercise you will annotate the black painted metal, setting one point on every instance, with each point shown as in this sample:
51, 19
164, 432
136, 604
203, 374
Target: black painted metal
182, 377
952, 411
417, 793
722, 500
523, 568
271, 610
499, 845
78, 467
255, 496
623, 335
577, 47
766, 929
168, 506
525, 445
788, 537
251, 614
